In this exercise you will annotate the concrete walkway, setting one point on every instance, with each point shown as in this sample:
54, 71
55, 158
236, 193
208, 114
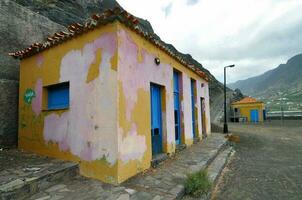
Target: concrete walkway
164, 182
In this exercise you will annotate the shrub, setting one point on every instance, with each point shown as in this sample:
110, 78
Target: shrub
198, 183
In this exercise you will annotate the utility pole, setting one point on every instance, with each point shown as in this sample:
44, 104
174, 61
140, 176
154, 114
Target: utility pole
225, 125
281, 108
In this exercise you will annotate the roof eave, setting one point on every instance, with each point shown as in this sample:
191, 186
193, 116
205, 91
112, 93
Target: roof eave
109, 16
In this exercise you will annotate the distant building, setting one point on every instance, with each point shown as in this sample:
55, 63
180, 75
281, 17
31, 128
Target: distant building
109, 96
248, 109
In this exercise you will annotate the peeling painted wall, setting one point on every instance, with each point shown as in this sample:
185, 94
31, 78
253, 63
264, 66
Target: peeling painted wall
87, 130
107, 127
136, 70
203, 91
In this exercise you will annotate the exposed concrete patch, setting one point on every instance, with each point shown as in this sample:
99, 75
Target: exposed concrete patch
130, 191
124, 197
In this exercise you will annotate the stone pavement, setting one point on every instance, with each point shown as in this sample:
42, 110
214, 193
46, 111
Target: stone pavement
164, 182
23, 174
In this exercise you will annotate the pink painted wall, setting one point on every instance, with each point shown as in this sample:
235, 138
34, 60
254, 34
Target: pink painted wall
204, 92
88, 128
134, 76
136, 70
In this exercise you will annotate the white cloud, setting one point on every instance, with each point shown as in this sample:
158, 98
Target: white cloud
255, 35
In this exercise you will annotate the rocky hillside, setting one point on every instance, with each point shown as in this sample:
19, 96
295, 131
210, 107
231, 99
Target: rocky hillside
284, 82
23, 22
19, 27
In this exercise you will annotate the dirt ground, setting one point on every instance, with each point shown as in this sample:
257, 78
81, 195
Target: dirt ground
267, 164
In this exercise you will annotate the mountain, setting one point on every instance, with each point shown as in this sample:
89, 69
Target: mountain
19, 27
23, 22
284, 82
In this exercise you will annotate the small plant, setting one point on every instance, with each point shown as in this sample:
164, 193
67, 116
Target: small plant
198, 183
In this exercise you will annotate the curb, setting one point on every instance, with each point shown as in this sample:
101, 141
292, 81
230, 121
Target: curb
229, 155
220, 149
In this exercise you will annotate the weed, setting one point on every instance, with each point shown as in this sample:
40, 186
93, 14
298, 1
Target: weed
198, 183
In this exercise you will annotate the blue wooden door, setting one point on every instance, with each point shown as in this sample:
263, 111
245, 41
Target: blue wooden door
176, 107
254, 115
193, 106
156, 119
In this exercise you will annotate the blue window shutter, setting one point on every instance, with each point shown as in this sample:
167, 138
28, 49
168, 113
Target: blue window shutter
58, 96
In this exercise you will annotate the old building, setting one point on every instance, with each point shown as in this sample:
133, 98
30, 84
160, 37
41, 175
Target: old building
109, 96
248, 109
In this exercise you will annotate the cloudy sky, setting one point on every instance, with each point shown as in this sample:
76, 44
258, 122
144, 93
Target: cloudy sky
255, 35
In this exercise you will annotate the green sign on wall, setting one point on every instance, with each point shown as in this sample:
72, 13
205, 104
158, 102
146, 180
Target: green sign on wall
29, 95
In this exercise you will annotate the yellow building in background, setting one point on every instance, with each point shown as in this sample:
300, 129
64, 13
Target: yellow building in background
248, 110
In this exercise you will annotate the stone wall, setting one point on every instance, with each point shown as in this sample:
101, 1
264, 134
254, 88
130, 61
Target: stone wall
19, 27
8, 112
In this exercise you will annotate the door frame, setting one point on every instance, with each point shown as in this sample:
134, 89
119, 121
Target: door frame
160, 142
193, 101
203, 117
176, 91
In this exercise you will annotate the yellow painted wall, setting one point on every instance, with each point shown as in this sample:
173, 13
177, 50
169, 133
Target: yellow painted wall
86, 131
245, 110
107, 126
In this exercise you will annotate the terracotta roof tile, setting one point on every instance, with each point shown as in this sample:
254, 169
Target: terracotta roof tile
247, 100
98, 20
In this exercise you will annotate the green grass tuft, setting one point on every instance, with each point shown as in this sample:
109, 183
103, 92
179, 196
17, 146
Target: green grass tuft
198, 183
